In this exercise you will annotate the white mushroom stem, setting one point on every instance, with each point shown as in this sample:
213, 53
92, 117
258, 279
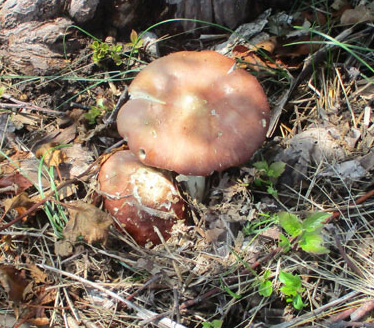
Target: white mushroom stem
194, 185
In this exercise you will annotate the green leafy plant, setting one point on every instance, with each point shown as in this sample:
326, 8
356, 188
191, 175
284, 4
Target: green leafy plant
96, 111
264, 222
213, 324
135, 42
292, 288
307, 232
268, 175
2, 91
229, 291
265, 287
103, 51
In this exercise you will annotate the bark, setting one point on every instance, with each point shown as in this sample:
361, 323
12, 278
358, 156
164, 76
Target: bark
15, 12
35, 48
229, 13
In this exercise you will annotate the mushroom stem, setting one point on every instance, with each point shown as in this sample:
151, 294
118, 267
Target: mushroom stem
194, 185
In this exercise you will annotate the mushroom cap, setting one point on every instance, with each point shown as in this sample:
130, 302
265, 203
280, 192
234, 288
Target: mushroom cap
140, 197
194, 113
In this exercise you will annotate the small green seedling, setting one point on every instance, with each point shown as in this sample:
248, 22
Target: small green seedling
135, 43
2, 91
268, 175
213, 324
265, 287
292, 288
229, 291
96, 111
264, 222
103, 51
307, 232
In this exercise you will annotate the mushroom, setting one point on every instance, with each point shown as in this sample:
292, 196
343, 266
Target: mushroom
140, 197
194, 113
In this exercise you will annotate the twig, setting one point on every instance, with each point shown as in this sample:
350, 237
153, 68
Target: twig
116, 145
306, 317
362, 310
343, 315
344, 255
141, 312
358, 201
122, 99
71, 305
344, 324
28, 106
145, 285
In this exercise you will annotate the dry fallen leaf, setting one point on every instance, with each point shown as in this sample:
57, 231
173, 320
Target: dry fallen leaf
357, 15
52, 157
87, 221
26, 163
21, 203
77, 160
9, 320
64, 248
13, 281
39, 321
14, 183
38, 275
315, 145
7, 244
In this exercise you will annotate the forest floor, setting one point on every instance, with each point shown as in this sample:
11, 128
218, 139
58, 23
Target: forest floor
285, 240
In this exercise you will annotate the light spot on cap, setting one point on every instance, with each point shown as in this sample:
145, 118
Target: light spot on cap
264, 124
232, 68
142, 155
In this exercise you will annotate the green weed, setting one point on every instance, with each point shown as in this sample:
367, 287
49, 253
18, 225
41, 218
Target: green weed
292, 288
104, 51
213, 324
96, 111
135, 42
307, 232
268, 174
265, 287
54, 211
258, 226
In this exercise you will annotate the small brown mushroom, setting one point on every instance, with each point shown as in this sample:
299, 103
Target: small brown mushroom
194, 113
140, 197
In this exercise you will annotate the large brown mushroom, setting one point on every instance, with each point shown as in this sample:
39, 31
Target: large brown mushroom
140, 197
194, 113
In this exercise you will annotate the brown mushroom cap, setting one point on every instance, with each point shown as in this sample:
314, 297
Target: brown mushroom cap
194, 113
140, 197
